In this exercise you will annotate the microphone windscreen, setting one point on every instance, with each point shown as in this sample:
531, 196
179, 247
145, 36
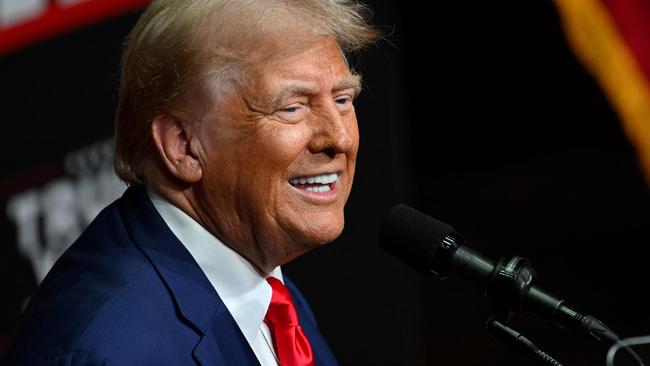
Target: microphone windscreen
412, 237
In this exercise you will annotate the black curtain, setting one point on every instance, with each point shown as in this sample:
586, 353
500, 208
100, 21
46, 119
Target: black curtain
477, 114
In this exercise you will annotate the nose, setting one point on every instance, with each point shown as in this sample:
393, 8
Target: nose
334, 133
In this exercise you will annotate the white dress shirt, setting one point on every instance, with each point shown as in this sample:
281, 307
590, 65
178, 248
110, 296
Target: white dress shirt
245, 292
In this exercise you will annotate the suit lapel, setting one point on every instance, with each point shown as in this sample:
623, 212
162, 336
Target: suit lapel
222, 342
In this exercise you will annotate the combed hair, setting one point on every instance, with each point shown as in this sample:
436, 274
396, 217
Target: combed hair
179, 46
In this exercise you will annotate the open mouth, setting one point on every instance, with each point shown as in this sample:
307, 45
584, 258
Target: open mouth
320, 183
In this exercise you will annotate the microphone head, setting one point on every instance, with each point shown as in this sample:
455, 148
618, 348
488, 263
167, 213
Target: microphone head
413, 237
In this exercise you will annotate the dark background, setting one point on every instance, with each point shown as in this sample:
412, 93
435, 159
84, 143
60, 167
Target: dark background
475, 113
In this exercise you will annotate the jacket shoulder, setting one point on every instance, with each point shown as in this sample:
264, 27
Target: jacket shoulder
99, 301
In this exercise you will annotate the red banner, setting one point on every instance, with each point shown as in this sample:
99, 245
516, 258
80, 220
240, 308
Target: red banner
632, 19
24, 22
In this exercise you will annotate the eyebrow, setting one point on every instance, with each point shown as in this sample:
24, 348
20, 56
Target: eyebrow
348, 82
352, 81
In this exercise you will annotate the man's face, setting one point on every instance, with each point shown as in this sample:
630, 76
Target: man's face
280, 152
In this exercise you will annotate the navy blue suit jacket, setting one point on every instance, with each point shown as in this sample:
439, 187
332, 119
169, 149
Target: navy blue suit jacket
127, 292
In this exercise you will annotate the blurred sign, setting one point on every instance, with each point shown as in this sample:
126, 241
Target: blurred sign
44, 210
49, 217
23, 22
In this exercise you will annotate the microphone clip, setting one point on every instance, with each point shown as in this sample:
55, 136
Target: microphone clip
509, 283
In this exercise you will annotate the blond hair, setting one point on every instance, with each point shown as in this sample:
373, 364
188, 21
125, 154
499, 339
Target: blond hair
177, 45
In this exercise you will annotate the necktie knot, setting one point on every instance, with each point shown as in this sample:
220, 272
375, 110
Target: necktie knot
290, 343
281, 310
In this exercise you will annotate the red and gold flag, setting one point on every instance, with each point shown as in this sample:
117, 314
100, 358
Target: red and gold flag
612, 39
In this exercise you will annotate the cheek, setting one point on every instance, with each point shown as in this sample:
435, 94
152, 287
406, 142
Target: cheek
267, 160
282, 145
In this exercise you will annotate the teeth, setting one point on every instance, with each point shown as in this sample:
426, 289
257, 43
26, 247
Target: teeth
320, 179
318, 189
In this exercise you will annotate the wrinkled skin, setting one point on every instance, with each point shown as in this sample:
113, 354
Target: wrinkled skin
290, 115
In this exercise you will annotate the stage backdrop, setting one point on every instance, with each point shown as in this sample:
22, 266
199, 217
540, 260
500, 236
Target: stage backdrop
478, 114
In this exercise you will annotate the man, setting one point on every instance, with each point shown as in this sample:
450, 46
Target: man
236, 131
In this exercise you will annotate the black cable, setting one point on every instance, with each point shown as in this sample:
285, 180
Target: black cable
625, 343
516, 339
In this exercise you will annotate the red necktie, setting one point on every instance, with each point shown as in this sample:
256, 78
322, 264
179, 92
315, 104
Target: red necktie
291, 345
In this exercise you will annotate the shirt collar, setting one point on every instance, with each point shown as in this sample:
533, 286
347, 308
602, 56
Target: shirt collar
245, 292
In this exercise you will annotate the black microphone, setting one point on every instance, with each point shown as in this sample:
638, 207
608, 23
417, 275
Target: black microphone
434, 247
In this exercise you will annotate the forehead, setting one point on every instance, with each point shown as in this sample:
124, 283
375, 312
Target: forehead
316, 61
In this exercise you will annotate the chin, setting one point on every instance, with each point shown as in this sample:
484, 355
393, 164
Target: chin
323, 231
307, 238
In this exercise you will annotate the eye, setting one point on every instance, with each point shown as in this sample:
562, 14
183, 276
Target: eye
291, 109
344, 102
293, 112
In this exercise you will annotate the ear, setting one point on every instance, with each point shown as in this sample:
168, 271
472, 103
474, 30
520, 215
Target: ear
173, 145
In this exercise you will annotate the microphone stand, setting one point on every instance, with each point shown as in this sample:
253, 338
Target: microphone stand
516, 339
511, 280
